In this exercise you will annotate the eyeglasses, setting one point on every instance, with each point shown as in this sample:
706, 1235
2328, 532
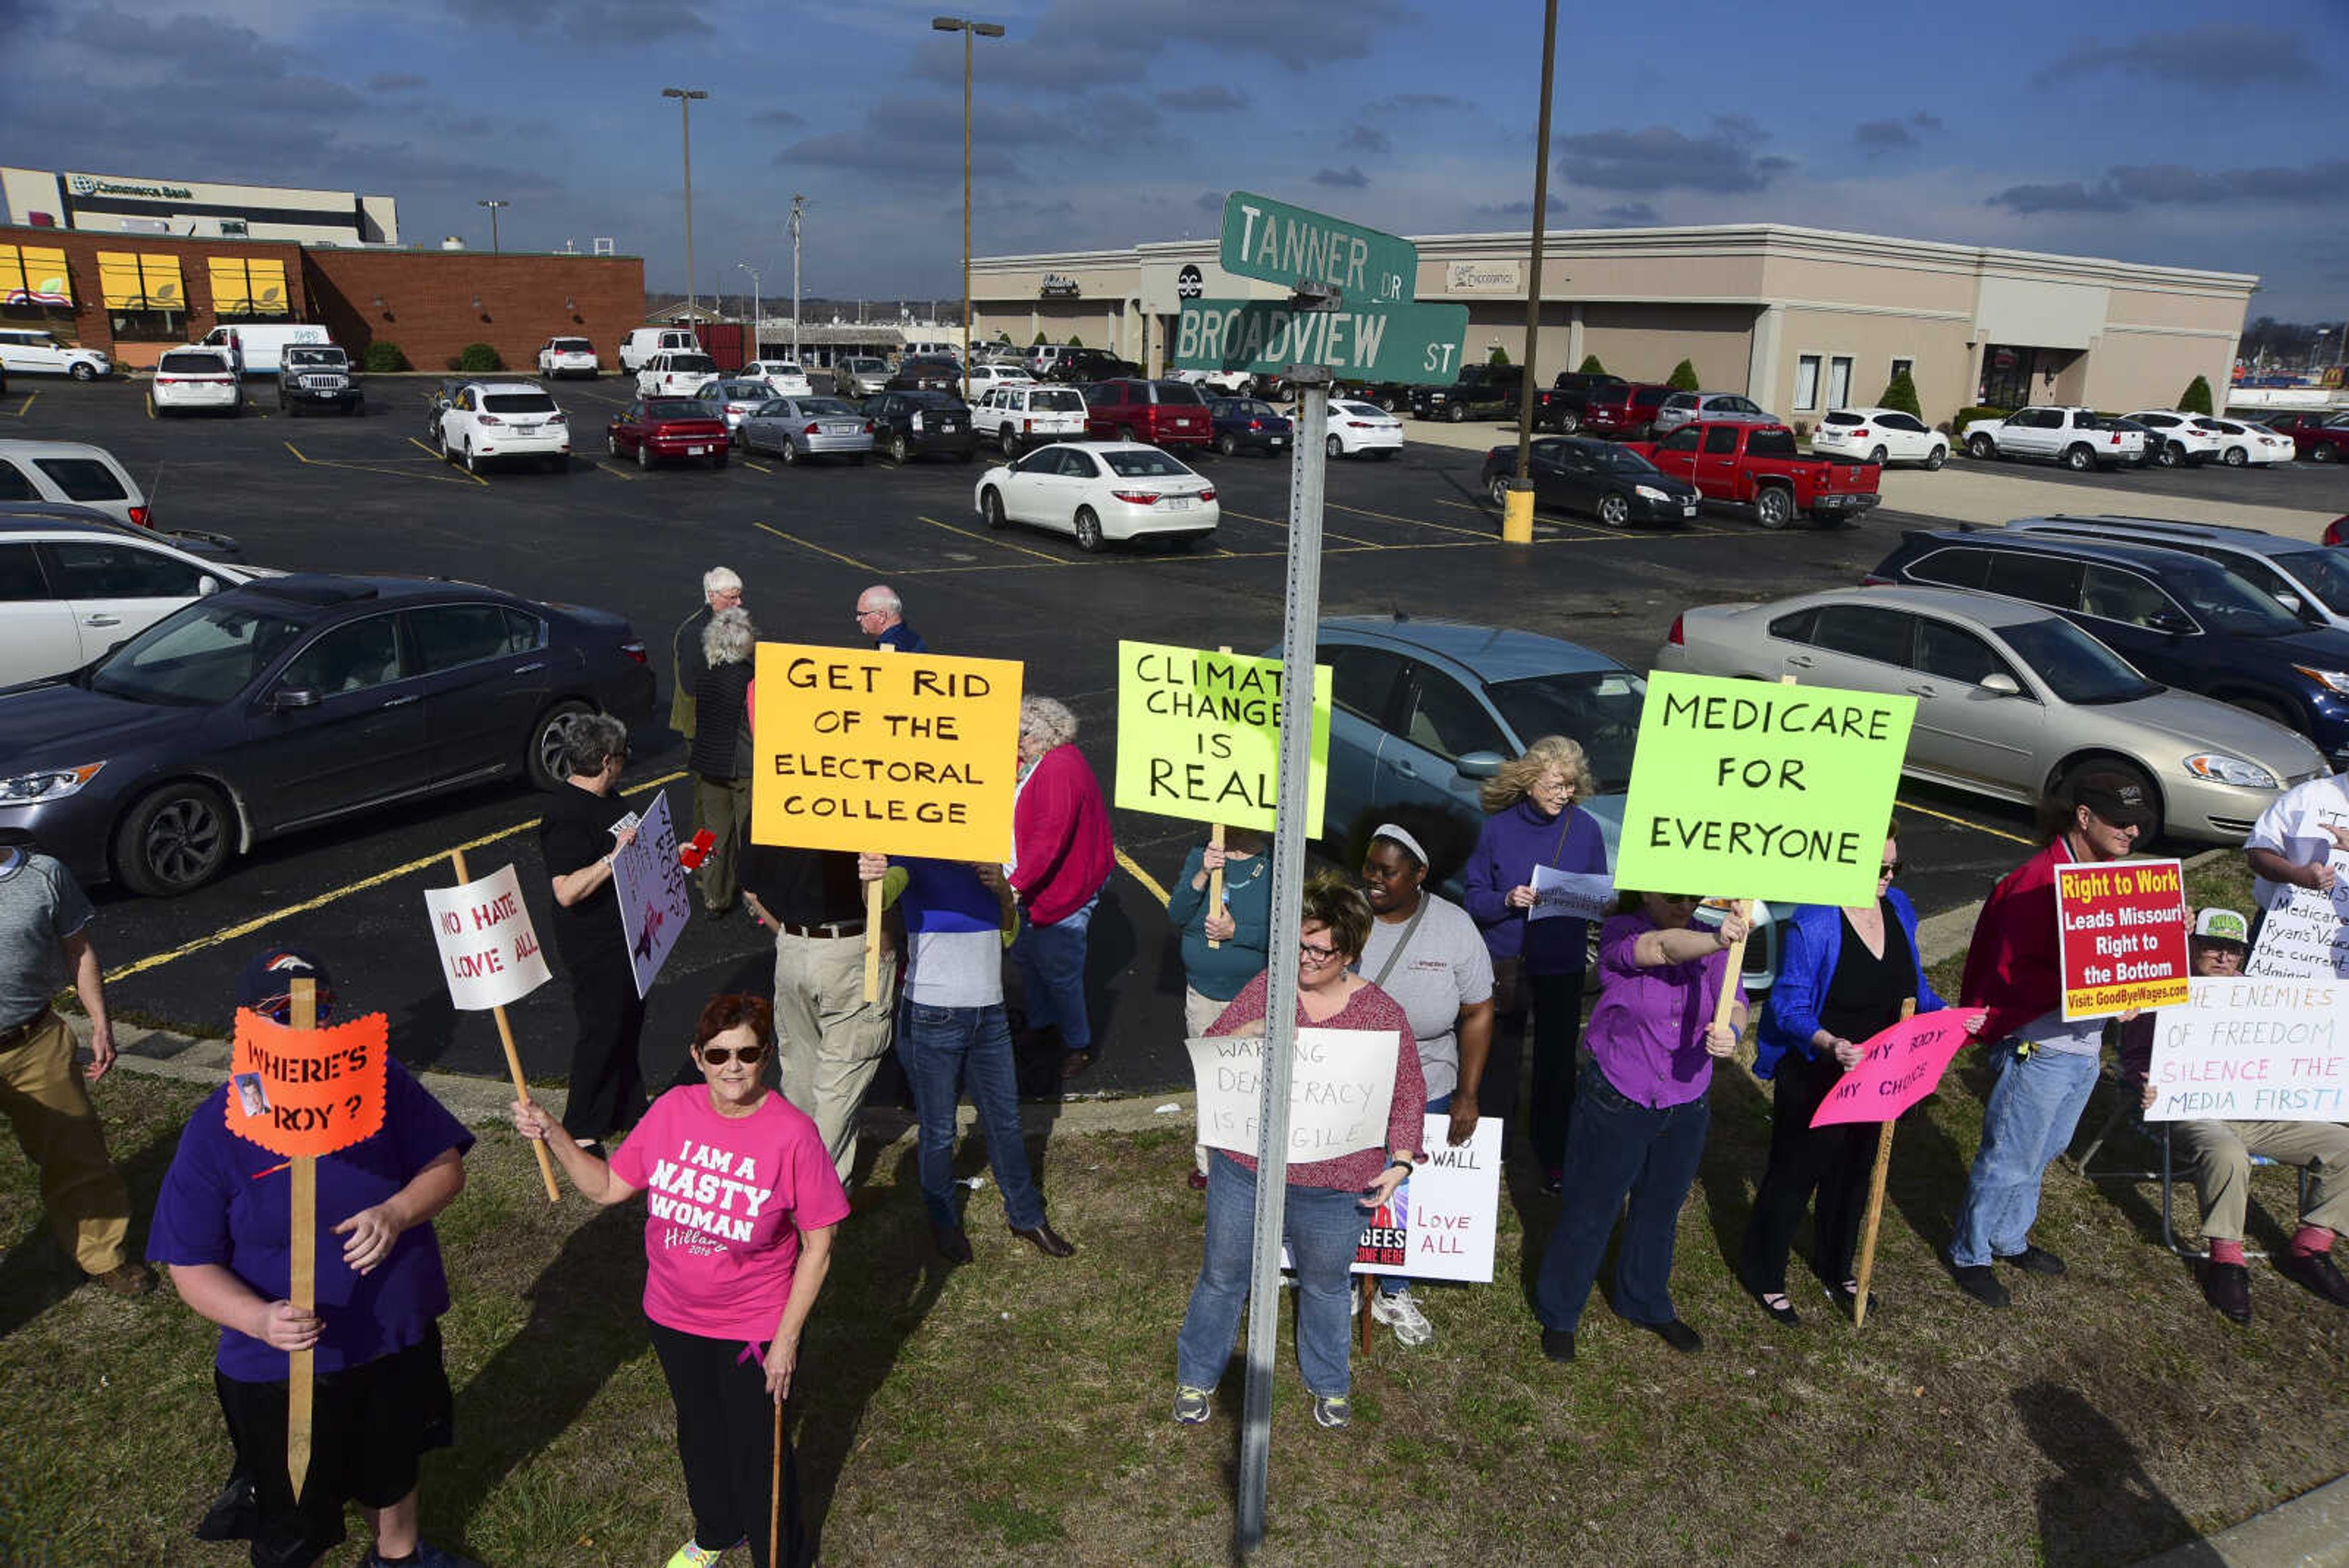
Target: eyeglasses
865, 614
719, 1055
1889, 870
1317, 956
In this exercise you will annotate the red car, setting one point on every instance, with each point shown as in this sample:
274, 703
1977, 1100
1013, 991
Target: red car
1625, 410
668, 427
2321, 437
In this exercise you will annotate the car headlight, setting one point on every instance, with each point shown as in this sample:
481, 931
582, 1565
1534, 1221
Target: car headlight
2334, 681
1649, 493
2217, 767
47, 784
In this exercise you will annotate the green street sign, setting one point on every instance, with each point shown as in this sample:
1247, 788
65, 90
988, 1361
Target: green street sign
1410, 344
1275, 242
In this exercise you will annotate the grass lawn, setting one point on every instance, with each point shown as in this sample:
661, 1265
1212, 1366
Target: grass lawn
1015, 1411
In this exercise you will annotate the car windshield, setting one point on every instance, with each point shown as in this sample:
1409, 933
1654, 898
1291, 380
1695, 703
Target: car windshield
1599, 708
929, 399
1062, 400
2226, 603
745, 391
1362, 411
678, 408
519, 404
2076, 665
828, 408
1145, 465
1770, 443
1618, 460
2322, 571
1244, 408
198, 657
331, 359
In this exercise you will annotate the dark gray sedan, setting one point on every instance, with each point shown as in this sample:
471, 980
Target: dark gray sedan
293, 701
795, 427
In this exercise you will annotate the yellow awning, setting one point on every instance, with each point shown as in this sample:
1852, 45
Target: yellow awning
232, 296
34, 274
137, 280
269, 294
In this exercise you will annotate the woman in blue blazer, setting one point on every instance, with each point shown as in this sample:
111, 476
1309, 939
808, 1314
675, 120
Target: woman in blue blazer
1843, 974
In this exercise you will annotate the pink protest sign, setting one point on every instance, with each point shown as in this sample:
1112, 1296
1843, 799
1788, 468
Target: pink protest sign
1902, 1065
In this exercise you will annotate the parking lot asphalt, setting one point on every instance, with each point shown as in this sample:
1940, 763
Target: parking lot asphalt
1411, 535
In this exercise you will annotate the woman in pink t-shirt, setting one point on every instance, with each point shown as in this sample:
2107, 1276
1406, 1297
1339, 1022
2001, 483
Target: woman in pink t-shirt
742, 1201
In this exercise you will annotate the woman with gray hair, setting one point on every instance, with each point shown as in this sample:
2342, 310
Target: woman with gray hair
720, 754
1060, 854
576, 839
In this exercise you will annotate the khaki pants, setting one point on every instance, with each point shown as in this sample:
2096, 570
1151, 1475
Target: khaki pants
723, 807
46, 1102
832, 1039
2220, 1155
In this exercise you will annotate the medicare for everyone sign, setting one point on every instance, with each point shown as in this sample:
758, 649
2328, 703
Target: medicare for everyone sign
1198, 735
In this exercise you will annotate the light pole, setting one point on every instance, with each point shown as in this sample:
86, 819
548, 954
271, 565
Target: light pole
684, 97
799, 205
1517, 511
493, 207
969, 29
757, 350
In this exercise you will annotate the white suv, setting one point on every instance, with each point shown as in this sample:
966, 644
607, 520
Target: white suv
2079, 439
196, 378
1016, 418
674, 374
32, 349
2181, 440
567, 357
486, 422
69, 589
785, 376
1880, 436
74, 472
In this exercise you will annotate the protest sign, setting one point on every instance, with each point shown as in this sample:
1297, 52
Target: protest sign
1341, 1087
1442, 1222
2258, 1050
1570, 894
2306, 931
1900, 1067
307, 1091
2120, 929
1198, 735
489, 954
655, 901
1743, 789
897, 754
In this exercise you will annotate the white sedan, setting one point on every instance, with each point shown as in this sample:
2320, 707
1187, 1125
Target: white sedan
788, 378
1880, 436
1100, 491
2244, 442
1356, 429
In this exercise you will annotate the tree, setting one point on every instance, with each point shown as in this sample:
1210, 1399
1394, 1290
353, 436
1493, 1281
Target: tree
1499, 355
1591, 367
1075, 341
1900, 392
2196, 398
1039, 343
1684, 377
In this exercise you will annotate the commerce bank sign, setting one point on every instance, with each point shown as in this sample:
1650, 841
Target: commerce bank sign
97, 185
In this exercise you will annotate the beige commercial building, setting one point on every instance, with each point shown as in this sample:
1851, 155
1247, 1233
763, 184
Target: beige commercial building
1801, 320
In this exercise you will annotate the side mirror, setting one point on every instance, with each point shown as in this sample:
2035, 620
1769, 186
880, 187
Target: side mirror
207, 586
292, 698
2170, 621
2000, 681
1479, 764
2293, 602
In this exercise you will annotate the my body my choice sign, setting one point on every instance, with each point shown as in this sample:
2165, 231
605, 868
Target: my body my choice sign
1198, 735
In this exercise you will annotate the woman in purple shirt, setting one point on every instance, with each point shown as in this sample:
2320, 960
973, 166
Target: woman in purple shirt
1640, 1121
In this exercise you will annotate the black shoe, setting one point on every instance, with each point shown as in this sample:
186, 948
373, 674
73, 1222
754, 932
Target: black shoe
1553, 1184
1040, 1236
2317, 1272
954, 1243
1074, 1065
1845, 1293
2228, 1288
1980, 1280
233, 1515
2035, 1261
1676, 1335
1783, 1313
1557, 1343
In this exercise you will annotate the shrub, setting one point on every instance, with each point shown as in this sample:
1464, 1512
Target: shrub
478, 357
1900, 392
1802, 430
1973, 411
1075, 341
1684, 377
2196, 398
1499, 355
1591, 367
1039, 343
383, 356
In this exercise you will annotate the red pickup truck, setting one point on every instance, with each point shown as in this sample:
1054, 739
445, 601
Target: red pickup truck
1757, 466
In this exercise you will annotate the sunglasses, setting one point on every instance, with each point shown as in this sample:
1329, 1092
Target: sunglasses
1889, 870
719, 1055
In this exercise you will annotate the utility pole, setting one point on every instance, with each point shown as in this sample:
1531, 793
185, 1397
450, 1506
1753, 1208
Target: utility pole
798, 208
684, 97
1517, 510
494, 207
969, 30
757, 352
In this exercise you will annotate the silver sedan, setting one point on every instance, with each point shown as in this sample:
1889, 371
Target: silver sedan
2012, 700
796, 428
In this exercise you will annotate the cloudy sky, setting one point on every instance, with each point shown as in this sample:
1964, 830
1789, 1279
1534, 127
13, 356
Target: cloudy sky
2188, 134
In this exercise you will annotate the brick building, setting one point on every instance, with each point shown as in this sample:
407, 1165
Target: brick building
134, 295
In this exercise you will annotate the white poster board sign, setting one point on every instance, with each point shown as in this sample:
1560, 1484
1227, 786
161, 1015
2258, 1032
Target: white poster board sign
1444, 1215
1574, 895
655, 901
489, 953
1339, 1091
2253, 1050
2306, 931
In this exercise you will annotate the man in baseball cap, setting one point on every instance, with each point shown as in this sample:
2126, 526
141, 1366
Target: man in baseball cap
267, 986
2222, 939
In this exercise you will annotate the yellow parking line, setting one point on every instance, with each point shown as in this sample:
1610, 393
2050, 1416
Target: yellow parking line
1148, 882
372, 468
1421, 522
849, 560
617, 472
1326, 533
987, 539
1961, 822
25, 404
150, 405
761, 467
246, 927
426, 450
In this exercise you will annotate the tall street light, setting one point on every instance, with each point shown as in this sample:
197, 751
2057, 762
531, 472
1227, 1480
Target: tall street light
1517, 510
493, 207
799, 205
756, 351
684, 97
969, 29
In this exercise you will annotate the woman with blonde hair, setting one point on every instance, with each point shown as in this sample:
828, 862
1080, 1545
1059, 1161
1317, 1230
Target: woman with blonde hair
1532, 822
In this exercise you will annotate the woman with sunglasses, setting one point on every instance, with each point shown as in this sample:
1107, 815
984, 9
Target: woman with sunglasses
736, 1242
1327, 1199
1842, 977
1639, 1119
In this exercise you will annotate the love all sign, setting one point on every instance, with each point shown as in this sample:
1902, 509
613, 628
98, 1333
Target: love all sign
299, 1092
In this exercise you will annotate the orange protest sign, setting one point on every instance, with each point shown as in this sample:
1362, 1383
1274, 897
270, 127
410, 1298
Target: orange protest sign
299, 1092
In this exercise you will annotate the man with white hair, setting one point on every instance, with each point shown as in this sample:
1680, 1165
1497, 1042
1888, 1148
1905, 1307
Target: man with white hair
721, 590
881, 616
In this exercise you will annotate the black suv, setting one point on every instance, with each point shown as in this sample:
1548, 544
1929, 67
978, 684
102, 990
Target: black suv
920, 373
1571, 393
1082, 366
907, 425
316, 375
1483, 392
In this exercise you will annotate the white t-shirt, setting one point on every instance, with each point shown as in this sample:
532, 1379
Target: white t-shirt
2294, 827
1446, 967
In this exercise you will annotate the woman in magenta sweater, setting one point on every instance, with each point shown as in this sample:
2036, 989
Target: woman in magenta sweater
1060, 863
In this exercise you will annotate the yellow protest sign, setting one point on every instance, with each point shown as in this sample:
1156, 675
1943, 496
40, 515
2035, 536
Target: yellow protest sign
1198, 735
898, 753
1745, 790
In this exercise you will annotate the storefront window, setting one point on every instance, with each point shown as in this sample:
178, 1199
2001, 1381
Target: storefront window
150, 326
1839, 383
1806, 382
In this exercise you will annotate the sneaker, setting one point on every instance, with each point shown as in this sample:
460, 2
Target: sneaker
1401, 1313
129, 1277
693, 1554
233, 1515
1192, 1406
1330, 1410
2035, 1261
1980, 1280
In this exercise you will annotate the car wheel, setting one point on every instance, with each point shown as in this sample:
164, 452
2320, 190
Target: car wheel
1773, 506
1981, 448
1089, 531
85, 372
2169, 454
1567, 421
2235, 457
2079, 459
1228, 444
174, 841
285, 407
1457, 413
788, 453
612, 444
1614, 511
543, 756
990, 506
1498, 487
472, 463
1936, 458
644, 454
1877, 456
898, 450
2321, 452
2129, 772
1334, 447
1009, 439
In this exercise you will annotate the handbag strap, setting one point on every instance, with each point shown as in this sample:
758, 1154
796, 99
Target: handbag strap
1402, 943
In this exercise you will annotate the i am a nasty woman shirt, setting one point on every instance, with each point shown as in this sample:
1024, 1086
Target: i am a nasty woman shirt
727, 1198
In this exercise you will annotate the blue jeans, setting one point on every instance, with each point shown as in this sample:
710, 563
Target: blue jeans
1620, 1148
945, 1050
1397, 1284
2034, 1107
1053, 968
1323, 1227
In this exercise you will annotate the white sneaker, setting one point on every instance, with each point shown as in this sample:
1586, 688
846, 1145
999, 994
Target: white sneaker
1401, 1313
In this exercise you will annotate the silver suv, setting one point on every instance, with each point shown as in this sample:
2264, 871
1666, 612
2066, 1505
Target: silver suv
2309, 579
1686, 407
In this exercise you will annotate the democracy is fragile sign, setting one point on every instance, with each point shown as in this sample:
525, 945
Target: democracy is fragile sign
1198, 735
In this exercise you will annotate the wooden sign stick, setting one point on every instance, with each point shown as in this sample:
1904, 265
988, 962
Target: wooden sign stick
1866, 1267
775, 1490
1216, 877
301, 1287
513, 1064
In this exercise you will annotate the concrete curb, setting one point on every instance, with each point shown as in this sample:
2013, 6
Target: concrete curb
2311, 1531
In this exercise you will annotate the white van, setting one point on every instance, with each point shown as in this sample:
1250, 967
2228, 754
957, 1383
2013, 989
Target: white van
644, 342
256, 347
934, 350
71, 471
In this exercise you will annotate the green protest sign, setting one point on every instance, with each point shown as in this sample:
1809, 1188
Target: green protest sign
1745, 790
1198, 735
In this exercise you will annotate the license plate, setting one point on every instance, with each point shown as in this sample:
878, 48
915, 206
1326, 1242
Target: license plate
1688, 508
948, 426
1276, 440
840, 430
526, 430
695, 451
1178, 504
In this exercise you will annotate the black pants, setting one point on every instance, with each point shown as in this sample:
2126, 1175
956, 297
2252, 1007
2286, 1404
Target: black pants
607, 1081
725, 1436
1558, 1029
1834, 1161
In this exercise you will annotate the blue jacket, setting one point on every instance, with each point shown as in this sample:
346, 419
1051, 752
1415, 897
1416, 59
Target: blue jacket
1511, 842
1808, 951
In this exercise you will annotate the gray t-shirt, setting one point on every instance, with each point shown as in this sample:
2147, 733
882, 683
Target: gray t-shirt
1444, 968
40, 906
957, 968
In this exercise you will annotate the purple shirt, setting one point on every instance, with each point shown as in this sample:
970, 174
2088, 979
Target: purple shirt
228, 1201
1509, 845
1647, 1033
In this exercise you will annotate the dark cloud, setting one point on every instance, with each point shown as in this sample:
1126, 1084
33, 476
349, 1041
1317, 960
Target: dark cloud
1521, 212
779, 118
2064, 196
1076, 44
1411, 103
1350, 178
1630, 215
591, 24
1364, 139
1662, 158
1875, 136
919, 140
198, 52
2216, 55
1210, 200
1211, 95
395, 81
2130, 186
